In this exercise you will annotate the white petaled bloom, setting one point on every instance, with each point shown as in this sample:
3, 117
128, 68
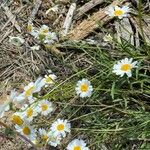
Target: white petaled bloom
49, 79
29, 113
53, 140
33, 87
43, 32
50, 38
108, 38
43, 134
36, 47
31, 29
84, 88
27, 130
29, 89
77, 145
124, 66
45, 107
60, 127
4, 107
17, 118
116, 11
17, 41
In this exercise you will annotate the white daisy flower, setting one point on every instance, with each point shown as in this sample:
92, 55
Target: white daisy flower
44, 107
53, 140
44, 29
60, 127
84, 88
77, 145
108, 38
29, 89
124, 67
4, 107
27, 131
116, 11
43, 134
33, 87
51, 38
17, 118
29, 113
43, 32
31, 29
17, 41
49, 79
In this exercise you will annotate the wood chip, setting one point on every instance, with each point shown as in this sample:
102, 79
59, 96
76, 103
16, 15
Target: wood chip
89, 25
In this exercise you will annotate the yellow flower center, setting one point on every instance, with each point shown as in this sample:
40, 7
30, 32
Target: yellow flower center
77, 148
44, 137
17, 120
26, 130
29, 91
45, 30
29, 112
125, 67
48, 80
60, 127
84, 87
29, 28
118, 12
44, 107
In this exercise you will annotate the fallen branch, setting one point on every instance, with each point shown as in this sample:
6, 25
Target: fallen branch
89, 25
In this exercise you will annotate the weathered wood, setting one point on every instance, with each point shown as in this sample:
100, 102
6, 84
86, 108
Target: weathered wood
89, 25
68, 19
89, 5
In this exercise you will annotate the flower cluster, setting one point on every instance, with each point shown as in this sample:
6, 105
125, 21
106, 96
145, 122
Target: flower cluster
32, 107
43, 34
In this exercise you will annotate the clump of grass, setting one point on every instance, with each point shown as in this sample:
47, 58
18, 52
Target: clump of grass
117, 114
